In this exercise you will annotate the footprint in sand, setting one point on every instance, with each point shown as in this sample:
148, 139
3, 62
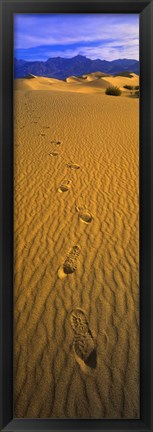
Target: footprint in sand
70, 263
43, 134
84, 215
79, 321
54, 154
65, 186
56, 142
73, 166
83, 344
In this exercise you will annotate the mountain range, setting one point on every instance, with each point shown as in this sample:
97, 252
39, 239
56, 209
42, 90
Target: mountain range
62, 68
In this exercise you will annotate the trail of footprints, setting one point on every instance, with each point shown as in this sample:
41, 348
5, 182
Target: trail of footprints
84, 345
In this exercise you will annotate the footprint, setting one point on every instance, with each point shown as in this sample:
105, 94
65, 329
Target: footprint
43, 134
56, 142
73, 165
79, 321
70, 264
84, 345
84, 215
64, 186
53, 154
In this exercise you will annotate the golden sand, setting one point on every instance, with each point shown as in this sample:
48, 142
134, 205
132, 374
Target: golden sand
76, 261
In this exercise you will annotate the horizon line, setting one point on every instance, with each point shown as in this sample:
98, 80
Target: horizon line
78, 55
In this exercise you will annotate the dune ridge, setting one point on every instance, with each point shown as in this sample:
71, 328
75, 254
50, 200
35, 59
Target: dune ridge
87, 83
98, 134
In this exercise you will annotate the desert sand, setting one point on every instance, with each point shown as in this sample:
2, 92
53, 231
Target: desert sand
76, 249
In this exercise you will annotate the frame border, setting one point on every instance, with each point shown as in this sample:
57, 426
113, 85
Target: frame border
145, 9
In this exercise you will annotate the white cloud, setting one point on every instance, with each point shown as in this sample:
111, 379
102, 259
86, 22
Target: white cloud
73, 28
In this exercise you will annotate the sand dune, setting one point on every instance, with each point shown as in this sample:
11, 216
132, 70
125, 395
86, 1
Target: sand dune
38, 83
88, 83
95, 75
76, 258
74, 79
120, 81
91, 78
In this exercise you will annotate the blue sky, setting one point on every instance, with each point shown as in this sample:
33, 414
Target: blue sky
103, 36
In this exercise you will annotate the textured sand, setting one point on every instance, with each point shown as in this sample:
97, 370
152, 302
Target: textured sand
76, 261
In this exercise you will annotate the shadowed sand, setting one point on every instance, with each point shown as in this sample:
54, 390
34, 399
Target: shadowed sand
76, 153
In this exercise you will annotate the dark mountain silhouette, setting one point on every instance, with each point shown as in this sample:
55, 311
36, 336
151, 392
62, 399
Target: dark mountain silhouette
62, 68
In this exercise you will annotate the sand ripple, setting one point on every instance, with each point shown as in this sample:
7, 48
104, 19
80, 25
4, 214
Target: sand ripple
98, 154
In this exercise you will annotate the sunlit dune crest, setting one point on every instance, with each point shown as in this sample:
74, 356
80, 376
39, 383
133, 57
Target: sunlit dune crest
90, 83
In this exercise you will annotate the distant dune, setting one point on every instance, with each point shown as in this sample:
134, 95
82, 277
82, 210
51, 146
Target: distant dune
76, 248
125, 74
96, 75
30, 76
120, 81
93, 82
74, 79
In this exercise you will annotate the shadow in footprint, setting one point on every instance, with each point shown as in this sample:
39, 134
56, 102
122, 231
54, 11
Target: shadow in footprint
56, 142
84, 215
70, 263
53, 154
65, 186
84, 344
73, 166
92, 359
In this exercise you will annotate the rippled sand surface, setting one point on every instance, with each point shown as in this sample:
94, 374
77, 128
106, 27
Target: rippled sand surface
76, 260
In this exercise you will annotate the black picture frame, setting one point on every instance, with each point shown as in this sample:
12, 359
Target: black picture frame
145, 9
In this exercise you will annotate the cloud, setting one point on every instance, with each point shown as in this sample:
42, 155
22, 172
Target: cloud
94, 35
